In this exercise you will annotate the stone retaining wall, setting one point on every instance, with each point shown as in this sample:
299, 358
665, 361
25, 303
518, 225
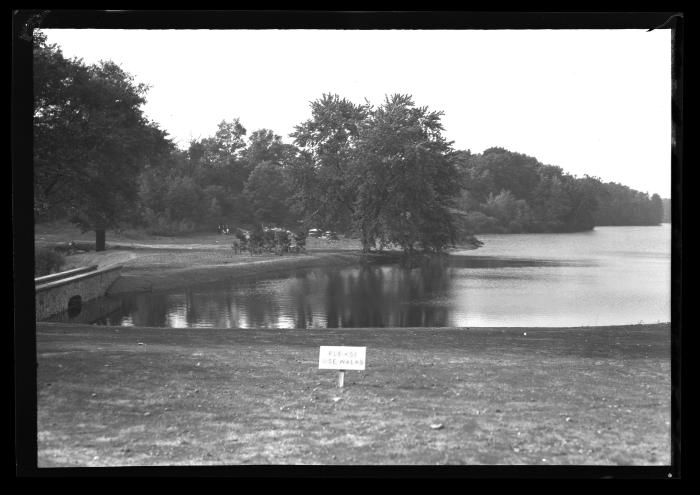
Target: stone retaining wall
63, 275
53, 297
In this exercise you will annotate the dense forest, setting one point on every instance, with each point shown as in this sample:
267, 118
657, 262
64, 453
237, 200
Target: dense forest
667, 210
384, 173
504, 191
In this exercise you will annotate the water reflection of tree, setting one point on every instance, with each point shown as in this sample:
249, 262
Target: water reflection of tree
191, 308
375, 296
303, 296
267, 303
381, 296
148, 310
367, 296
215, 307
261, 309
352, 298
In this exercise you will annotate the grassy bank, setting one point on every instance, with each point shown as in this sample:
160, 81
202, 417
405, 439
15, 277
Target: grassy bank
153, 262
135, 396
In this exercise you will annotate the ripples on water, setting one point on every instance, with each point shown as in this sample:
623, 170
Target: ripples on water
612, 275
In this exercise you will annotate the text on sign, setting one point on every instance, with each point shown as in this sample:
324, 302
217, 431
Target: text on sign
341, 358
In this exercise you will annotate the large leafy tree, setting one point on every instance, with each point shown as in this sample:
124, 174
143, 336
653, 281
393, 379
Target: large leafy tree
91, 139
324, 177
385, 173
406, 179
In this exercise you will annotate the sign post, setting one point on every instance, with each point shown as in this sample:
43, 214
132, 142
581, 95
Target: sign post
341, 378
341, 358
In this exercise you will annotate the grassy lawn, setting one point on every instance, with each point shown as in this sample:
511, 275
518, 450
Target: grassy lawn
111, 396
63, 232
152, 262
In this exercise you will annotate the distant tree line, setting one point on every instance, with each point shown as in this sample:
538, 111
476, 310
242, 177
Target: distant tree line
620, 205
504, 191
385, 174
667, 210
223, 179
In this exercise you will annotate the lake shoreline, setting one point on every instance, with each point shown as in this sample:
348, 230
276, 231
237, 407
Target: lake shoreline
173, 267
120, 396
616, 276
157, 278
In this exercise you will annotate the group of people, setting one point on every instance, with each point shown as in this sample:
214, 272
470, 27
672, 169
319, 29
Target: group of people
223, 229
267, 240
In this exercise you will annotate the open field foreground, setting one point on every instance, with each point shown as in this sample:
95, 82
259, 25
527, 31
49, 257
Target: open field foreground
119, 396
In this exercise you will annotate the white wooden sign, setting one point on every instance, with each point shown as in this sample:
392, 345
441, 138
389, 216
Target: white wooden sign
333, 357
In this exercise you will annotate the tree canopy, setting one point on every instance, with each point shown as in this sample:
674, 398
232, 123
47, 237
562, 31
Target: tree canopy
90, 138
405, 180
384, 173
324, 177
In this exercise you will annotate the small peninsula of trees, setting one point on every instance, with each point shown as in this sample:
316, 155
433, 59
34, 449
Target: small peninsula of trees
385, 174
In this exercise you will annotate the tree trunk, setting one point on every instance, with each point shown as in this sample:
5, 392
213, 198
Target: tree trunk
100, 239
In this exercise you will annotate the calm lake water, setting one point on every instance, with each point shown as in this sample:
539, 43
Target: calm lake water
609, 276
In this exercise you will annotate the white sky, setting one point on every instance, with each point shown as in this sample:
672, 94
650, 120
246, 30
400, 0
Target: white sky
594, 102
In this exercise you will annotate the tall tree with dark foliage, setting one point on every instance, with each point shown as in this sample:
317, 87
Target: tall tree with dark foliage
91, 139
